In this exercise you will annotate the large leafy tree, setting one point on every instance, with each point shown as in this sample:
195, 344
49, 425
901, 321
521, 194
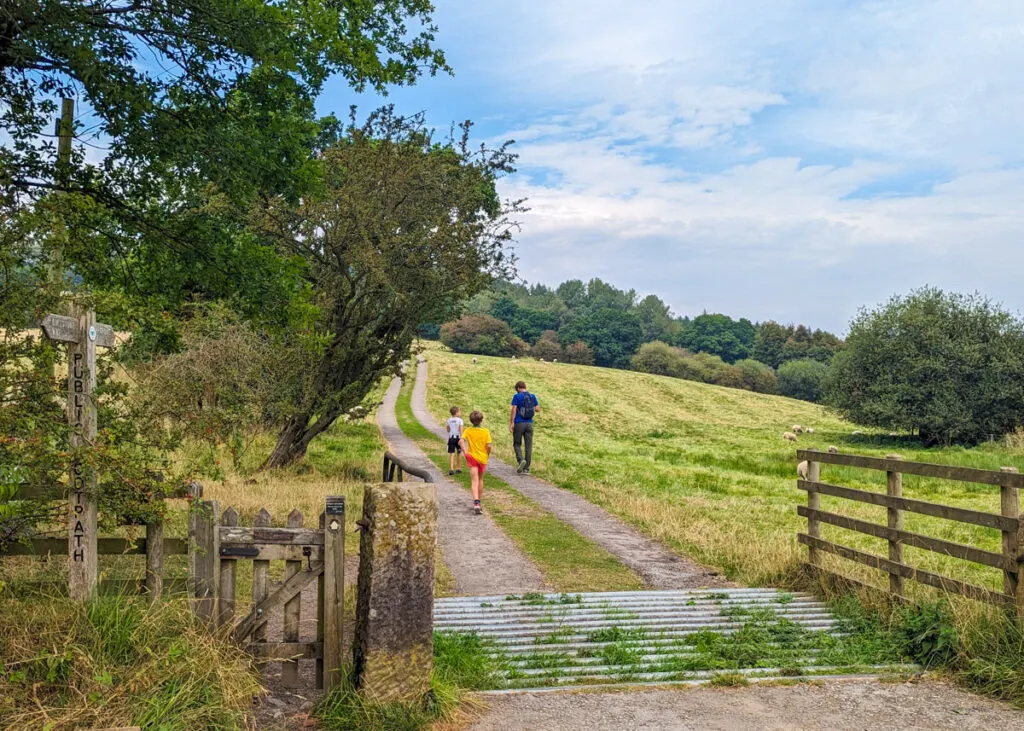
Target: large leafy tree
613, 335
949, 365
405, 226
720, 335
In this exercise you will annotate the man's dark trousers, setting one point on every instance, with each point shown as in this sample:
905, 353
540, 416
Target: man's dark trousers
523, 432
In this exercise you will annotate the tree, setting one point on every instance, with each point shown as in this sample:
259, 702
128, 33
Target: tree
802, 379
579, 354
482, 335
757, 376
401, 215
547, 347
947, 364
774, 344
525, 322
658, 358
613, 335
719, 335
656, 319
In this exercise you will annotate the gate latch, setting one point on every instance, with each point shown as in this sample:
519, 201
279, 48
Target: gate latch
307, 551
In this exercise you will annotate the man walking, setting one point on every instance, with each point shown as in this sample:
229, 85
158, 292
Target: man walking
524, 406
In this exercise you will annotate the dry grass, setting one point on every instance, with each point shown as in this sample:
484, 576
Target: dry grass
704, 468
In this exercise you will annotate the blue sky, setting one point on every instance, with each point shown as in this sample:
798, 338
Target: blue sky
789, 160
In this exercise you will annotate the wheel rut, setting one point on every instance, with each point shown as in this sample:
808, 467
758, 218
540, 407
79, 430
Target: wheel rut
659, 566
481, 558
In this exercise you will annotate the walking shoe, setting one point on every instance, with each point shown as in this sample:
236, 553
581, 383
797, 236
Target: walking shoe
526, 470
458, 472
477, 507
522, 467
451, 472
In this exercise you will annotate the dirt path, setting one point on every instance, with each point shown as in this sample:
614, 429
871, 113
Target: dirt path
660, 567
843, 706
482, 559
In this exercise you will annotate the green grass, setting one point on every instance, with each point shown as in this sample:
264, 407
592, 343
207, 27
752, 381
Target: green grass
705, 469
117, 661
568, 561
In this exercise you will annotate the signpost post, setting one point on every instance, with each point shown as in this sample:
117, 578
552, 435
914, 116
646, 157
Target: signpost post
82, 334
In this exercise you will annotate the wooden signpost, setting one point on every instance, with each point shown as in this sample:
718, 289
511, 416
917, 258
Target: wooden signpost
82, 334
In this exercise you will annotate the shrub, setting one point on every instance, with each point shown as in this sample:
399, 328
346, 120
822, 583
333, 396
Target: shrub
710, 367
802, 379
547, 347
481, 335
949, 365
658, 358
579, 353
757, 376
730, 376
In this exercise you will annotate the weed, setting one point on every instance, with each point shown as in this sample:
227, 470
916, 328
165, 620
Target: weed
617, 634
461, 659
728, 680
557, 637
345, 709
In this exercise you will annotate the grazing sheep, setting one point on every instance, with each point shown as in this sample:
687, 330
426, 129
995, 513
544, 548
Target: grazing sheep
542, 360
797, 429
833, 449
809, 430
789, 436
801, 470
515, 359
555, 360
474, 361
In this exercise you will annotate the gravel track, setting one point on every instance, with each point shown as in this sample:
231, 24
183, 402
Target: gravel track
660, 567
867, 705
481, 558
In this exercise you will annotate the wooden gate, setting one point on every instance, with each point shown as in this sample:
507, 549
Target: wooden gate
217, 543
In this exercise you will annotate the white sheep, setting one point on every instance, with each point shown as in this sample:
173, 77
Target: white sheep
789, 436
541, 360
474, 361
796, 429
833, 449
809, 430
555, 360
801, 470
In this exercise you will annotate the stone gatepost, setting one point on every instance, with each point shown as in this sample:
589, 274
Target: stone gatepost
394, 634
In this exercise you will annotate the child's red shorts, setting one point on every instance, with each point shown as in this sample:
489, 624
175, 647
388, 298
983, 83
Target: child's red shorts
482, 466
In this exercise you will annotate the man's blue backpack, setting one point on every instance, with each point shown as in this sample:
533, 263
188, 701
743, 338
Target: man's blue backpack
527, 406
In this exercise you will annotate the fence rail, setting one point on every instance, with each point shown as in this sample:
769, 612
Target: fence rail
394, 469
1009, 522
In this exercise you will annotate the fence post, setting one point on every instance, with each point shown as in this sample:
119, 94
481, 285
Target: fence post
813, 503
334, 590
292, 613
1013, 543
226, 605
894, 488
204, 556
154, 559
259, 576
320, 614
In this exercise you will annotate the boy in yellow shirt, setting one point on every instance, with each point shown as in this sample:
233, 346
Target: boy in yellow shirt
476, 446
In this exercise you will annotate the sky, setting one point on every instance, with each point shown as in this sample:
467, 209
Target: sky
791, 160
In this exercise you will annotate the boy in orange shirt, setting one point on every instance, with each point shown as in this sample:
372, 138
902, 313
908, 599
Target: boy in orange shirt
476, 446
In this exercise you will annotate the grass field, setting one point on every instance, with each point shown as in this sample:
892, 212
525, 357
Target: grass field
704, 468
568, 561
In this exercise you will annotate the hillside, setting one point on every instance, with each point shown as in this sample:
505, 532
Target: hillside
701, 467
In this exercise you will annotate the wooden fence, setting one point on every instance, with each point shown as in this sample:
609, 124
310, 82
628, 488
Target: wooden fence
395, 469
1009, 522
155, 546
217, 543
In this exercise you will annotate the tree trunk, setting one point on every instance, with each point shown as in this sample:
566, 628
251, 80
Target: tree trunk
291, 443
295, 438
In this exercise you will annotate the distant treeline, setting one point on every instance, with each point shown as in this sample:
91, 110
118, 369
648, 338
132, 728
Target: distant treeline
597, 323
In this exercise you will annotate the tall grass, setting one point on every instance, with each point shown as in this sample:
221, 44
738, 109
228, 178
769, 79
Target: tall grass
118, 661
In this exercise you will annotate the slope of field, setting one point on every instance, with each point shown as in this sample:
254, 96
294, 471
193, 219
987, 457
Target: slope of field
705, 468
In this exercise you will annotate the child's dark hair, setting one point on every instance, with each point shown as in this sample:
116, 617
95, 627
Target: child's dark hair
476, 418
453, 410
521, 385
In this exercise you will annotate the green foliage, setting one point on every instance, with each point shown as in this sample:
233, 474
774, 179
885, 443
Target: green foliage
719, 335
757, 376
927, 633
775, 344
612, 333
579, 353
346, 709
948, 365
405, 226
118, 661
481, 335
802, 379
526, 323
461, 659
660, 359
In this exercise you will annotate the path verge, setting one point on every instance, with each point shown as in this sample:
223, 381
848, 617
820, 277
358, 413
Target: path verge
481, 558
660, 567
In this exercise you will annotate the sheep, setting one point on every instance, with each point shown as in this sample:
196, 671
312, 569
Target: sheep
801, 470
796, 429
474, 361
541, 360
555, 360
789, 436
809, 430
833, 449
